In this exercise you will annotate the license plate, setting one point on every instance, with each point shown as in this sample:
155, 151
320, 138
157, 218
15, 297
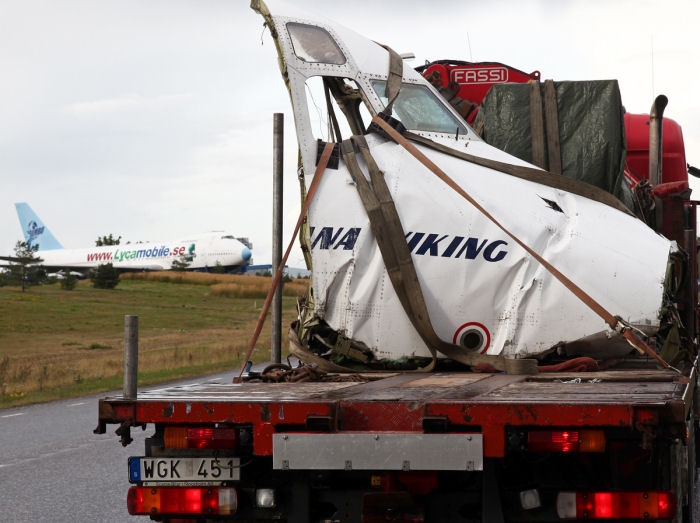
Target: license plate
184, 469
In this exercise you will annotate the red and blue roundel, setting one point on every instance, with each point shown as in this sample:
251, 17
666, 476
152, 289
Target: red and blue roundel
473, 336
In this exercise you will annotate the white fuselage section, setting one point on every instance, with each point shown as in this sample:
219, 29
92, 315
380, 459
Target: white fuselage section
475, 279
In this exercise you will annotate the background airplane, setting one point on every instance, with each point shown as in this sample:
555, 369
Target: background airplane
201, 252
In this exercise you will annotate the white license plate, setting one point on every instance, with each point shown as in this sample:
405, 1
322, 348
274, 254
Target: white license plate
184, 469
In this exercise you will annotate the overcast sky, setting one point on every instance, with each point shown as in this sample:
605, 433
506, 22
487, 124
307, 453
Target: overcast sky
152, 119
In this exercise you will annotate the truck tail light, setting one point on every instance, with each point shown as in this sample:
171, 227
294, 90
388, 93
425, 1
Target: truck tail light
566, 441
616, 505
182, 501
200, 438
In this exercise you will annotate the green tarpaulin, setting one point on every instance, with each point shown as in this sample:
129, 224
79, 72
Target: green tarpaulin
591, 130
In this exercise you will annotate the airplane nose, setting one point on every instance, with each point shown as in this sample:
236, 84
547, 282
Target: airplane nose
246, 254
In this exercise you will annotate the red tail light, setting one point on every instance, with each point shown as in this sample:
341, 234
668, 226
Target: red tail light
182, 501
200, 438
566, 441
616, 505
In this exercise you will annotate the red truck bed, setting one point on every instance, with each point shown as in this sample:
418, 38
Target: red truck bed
415, 403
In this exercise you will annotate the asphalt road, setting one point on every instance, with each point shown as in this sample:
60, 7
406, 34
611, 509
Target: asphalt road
53, 468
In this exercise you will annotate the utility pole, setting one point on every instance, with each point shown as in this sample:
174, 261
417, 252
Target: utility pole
277, 168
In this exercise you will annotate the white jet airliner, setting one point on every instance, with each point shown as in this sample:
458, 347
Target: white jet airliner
202, 252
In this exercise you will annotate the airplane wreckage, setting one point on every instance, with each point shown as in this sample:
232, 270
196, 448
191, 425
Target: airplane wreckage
427, 243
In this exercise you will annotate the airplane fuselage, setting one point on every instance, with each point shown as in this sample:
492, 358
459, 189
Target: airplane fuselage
200, 252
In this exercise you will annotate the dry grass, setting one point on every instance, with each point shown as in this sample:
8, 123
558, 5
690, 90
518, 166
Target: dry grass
227, 285
195, 278
56, 343
257, 289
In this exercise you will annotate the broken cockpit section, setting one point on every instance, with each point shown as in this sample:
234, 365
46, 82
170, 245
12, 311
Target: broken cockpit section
457, 249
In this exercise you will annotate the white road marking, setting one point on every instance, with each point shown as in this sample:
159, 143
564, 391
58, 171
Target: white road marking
76, 404
12, 415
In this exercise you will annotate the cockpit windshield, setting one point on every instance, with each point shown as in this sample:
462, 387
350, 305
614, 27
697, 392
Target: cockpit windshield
417, 108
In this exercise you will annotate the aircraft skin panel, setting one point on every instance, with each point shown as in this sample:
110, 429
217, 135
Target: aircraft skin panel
472, 274
469, 270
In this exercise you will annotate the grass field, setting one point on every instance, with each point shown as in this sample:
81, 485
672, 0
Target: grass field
57, 344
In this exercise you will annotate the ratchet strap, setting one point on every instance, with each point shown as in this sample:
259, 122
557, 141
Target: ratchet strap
391, 240
320, 169
614, 322
521, 171
395, 78
536, 125
551, 116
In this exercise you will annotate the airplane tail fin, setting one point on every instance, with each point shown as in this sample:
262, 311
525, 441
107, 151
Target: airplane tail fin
35, 232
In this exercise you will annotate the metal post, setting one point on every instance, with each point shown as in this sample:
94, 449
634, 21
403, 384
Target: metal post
131, 356
277, 167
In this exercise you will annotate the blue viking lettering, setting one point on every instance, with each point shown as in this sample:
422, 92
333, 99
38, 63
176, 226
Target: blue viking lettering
430, 244
419, 243
472, 248
415, 240
488, 252
347, 242
327, 238
452, 246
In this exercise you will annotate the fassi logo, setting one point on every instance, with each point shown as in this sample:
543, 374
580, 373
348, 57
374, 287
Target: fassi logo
481, 75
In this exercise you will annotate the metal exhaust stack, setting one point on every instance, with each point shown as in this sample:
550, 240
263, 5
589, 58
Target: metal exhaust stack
656, 138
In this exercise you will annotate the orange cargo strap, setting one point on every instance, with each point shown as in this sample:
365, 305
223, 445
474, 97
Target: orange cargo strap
615, 322
530, 174
320, 169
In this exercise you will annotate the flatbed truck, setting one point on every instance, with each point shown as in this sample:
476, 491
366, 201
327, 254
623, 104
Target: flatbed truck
612, 444
298, 444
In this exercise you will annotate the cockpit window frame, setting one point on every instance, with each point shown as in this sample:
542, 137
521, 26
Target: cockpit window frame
290, 25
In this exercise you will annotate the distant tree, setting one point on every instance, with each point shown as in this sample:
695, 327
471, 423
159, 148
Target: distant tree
105, 277
36, 274
69, 281
218, 268
181, 262
25, 260
107, 240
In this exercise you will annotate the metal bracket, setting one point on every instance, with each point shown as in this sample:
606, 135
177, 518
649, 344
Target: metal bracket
124, 431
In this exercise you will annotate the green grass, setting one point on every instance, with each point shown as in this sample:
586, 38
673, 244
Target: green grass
58, 344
